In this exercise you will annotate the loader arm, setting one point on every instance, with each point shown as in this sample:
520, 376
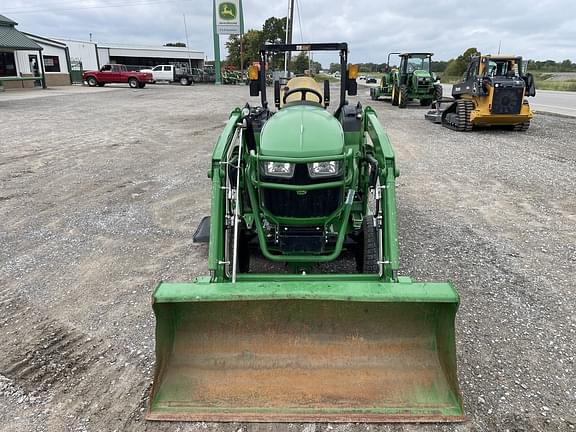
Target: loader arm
384, 154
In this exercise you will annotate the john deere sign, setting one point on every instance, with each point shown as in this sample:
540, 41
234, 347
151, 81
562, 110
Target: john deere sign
227, 17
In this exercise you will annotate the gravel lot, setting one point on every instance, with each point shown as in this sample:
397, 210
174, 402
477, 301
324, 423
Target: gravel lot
101, 190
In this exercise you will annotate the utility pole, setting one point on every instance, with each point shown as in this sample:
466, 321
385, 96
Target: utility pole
241, 40
289, 21
187, 44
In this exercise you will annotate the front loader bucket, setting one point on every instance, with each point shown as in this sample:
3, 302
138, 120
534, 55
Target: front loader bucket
302, 351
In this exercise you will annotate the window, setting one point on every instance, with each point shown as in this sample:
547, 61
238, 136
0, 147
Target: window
166, 68
158, 69
7, 64
51, 64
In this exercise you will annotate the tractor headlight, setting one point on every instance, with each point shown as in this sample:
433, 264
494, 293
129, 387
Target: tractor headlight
324, 169
278, 169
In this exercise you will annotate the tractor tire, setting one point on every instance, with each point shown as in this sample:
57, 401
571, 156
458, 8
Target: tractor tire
522, 127
133, 83
403, 97
395, 92
437, 92
92, 81
367, 248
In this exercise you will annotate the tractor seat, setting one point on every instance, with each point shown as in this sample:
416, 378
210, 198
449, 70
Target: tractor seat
301, 82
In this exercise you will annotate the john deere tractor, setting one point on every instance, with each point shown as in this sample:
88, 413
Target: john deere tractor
384, 89
299, 186
492, 93
414, 79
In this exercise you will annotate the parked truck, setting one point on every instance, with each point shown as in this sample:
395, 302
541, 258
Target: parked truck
116, 73
170, 73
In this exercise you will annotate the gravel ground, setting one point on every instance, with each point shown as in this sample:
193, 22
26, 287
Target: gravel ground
100, 194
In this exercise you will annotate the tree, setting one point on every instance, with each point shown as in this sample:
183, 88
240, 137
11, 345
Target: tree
334, 67
300, 63
251, 43
274, 31
456, 67
175, 44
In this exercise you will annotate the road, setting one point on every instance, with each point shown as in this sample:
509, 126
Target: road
555, 102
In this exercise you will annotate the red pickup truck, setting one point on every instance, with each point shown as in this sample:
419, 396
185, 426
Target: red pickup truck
116, 73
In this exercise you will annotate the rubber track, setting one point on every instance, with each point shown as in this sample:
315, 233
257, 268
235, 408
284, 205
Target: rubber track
463, 110
522, 127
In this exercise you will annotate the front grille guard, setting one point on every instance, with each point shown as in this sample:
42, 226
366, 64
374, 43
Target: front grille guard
342, 214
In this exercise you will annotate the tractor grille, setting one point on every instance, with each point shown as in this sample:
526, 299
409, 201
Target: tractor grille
507, 100
315, 203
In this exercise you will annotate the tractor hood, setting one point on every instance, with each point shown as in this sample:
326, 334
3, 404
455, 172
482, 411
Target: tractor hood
302, 131
422, 74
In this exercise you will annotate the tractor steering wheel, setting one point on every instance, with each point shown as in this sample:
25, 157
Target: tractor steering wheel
303, 90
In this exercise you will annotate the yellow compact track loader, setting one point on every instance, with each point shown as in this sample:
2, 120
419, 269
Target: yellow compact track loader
492, 93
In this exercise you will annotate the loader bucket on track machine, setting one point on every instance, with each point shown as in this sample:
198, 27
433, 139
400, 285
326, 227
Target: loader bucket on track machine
338, 351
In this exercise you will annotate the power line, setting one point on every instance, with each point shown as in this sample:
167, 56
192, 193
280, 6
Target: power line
299, 21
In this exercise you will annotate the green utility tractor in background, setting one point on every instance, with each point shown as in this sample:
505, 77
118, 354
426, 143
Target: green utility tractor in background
299, 186
384, 89
414, 79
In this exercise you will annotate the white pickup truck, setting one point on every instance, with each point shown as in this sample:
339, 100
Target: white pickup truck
170, 73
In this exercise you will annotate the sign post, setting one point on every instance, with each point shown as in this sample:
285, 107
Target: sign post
227, 20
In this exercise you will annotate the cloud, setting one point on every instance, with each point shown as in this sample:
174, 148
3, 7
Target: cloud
543, 30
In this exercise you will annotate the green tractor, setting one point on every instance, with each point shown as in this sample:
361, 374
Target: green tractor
414, 79
384, 89
300, 186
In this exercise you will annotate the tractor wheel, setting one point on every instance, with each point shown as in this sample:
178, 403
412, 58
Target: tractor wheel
437, 92
522, 127
403, 97
92, 81
367, 248
133, 83
394, 95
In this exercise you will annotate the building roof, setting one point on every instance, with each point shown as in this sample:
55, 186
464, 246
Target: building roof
46, 41
7, 21
13, 39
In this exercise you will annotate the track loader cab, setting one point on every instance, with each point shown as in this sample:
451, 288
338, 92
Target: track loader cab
299, 185
493, 92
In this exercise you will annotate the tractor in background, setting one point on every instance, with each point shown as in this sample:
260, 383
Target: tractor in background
384, 89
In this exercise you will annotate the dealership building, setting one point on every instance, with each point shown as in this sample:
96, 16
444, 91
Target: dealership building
28, 60
93, 55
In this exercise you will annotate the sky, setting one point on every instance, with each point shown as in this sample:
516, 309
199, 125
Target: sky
535, 30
